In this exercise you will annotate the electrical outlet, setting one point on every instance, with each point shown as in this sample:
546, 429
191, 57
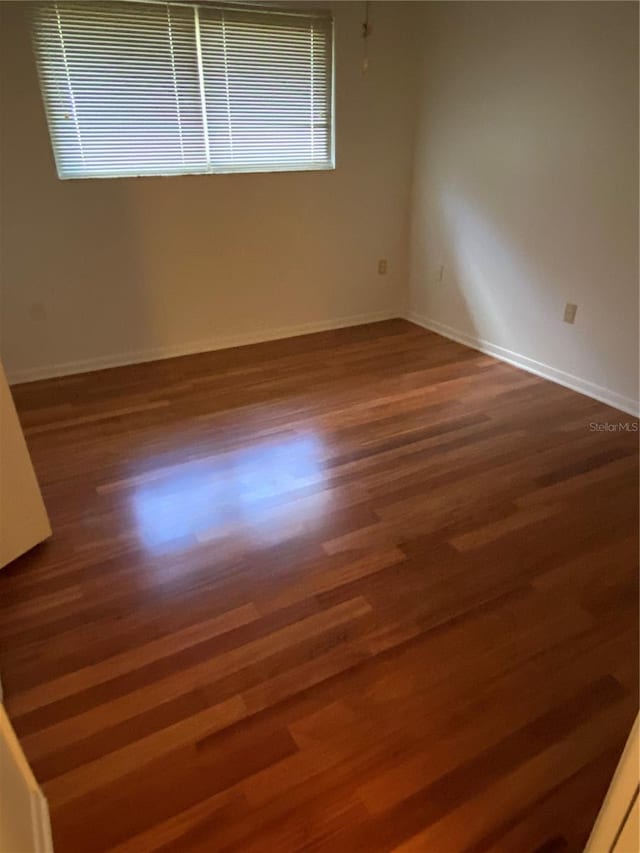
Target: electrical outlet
570, 312
382, 266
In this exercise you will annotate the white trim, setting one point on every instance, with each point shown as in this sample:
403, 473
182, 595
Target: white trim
575, 383
539, 368
27, 803
41, 823
619, 800
87, 365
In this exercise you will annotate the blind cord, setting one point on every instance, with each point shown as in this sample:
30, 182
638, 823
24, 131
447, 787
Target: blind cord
366, 32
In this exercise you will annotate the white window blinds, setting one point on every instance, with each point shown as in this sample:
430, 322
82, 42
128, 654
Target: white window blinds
135, 88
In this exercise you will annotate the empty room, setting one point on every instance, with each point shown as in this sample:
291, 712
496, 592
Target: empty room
319, 427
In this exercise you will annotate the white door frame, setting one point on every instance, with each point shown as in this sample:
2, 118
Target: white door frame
617, 820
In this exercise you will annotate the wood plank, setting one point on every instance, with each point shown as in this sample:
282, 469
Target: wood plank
365, 589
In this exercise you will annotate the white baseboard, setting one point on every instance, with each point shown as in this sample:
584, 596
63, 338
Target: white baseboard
582, 386
223, 342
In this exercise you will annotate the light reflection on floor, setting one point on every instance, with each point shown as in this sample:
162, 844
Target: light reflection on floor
245, 492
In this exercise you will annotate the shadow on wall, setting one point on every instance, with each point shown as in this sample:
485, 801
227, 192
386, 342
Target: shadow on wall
482, 253
510, 265
63, 261
526, 182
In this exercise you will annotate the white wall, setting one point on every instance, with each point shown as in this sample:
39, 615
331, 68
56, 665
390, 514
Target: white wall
100, 271
526, 185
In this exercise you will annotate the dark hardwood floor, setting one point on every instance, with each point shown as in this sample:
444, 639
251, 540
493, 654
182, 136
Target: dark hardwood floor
365, 590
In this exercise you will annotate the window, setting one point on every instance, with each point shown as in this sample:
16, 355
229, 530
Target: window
138, 88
